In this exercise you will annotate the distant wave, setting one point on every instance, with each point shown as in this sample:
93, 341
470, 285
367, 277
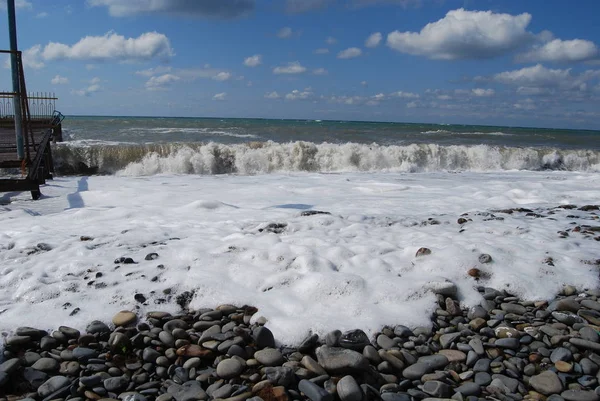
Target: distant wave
192, 131
446, 132
270, 157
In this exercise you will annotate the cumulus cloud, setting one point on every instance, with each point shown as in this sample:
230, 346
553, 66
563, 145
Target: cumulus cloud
480, 92
222, 76
404, 95
463, 34
111, 46
322, 51
89, 90
188, 8
293, 67
58, 80
272, 95
299, 95
540, 80
253, 61
373, 40
161, 82
285, 33
153, 71
31, 58
351, 52
537, 75
561, 51
320, 71
220, 96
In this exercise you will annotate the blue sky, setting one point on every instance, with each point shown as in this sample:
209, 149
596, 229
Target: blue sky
533, 63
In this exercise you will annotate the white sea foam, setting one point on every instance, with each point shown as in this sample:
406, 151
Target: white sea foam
446, 132
186, 131
355, 268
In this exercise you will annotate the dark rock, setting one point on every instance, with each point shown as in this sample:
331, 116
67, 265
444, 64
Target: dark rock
354, 339
546, 383
579, 395
116, 384
263, 337
151, 256
437, 389
341, 360
314, 392
53, 385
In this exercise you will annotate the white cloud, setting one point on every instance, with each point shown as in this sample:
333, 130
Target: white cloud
222, 76
161, 82
220, 96
331, 40
293, 67
43, 14
412, 105
351, 52
404, 95
285, 33
90, 67
537, 75
253, 61
373, 40
527, 104
112, 46
272, 95
444, 97
322, 51
153, 71
299, 95
463, 34
189, 8
561, 51
480, 92
349, 100
320, 71
92, 88
364, 83
58, 80
31, 57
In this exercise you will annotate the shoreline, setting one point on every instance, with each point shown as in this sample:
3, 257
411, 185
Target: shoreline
503, 348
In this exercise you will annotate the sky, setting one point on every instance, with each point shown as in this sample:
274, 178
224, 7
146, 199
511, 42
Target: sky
515, 63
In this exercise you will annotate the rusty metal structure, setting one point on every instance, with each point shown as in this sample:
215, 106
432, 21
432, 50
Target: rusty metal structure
28, 124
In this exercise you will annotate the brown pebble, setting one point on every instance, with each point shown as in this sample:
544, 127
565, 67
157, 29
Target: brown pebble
563, 366
423, 252
474, 272
534, 358
194, 350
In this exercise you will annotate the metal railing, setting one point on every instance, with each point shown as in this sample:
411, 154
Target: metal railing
41, 105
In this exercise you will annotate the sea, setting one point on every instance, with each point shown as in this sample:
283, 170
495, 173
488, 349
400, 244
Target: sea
150, 145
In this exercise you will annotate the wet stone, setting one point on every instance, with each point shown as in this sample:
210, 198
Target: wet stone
354, 340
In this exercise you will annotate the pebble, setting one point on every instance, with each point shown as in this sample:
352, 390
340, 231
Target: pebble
546, 383
313, 392
229, 368
52, 385
579, 395
46, 365
348, 389
124, 318
340, 360
269, 357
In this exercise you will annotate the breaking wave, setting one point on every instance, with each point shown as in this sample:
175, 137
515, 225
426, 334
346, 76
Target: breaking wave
271, 157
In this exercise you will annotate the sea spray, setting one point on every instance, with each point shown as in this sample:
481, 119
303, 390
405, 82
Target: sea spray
271, 157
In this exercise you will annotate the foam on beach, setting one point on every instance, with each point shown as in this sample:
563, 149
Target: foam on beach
243, 240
